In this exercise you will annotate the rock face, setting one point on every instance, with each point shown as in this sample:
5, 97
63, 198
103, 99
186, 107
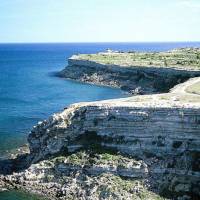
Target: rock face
129, 128
165, 127
136, 80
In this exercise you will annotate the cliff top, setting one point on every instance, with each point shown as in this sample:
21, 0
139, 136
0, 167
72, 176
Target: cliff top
184, 95
182, 58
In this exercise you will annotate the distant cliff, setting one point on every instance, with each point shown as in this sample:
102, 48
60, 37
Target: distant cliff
137, 73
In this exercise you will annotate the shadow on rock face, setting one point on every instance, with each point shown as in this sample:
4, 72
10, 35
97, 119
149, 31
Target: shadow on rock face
8, 166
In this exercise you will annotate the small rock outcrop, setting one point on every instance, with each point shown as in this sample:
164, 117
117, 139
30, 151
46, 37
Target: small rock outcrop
87, 175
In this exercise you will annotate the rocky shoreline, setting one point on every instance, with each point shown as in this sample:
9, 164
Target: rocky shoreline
140, 147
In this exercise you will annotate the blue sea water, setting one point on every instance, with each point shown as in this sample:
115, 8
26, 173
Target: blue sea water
29, 92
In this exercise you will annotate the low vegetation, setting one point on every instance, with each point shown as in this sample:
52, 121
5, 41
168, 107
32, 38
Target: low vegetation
180, 58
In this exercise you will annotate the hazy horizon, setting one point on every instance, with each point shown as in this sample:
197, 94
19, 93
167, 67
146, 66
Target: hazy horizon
93, 42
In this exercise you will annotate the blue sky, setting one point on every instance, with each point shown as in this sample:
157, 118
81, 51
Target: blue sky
99, 20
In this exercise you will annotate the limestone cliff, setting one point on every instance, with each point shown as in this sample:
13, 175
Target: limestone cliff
166, 127
162, 130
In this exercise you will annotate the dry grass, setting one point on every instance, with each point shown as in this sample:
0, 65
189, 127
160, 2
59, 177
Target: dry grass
180, 58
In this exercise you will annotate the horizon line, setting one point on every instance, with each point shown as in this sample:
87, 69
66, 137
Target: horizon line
93, 42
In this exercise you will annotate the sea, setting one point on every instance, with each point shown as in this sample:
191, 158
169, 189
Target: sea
30, 91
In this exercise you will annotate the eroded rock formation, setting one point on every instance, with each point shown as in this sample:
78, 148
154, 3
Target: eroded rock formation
165, 127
